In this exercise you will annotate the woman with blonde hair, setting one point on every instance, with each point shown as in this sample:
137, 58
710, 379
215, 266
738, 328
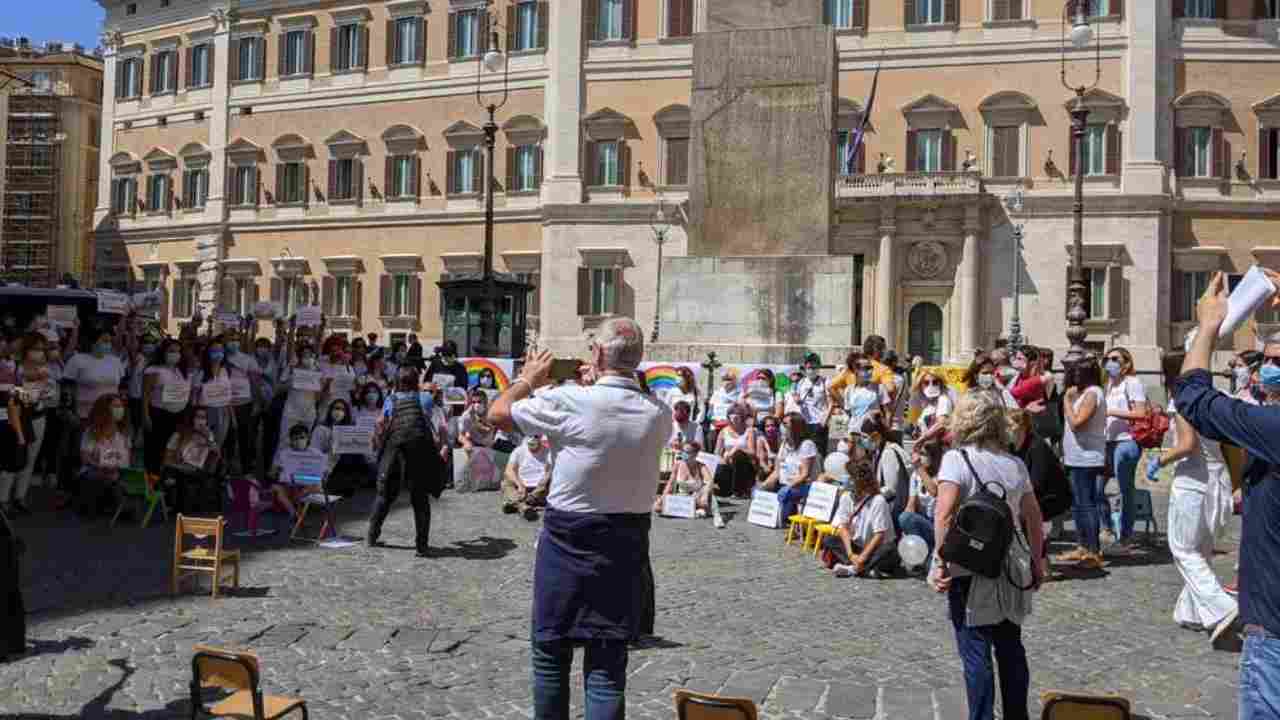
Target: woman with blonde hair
931, 395
1126, 401
986, 613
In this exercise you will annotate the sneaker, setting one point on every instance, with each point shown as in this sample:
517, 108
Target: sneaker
1222, 632
509, 508
530, 514
1075, 555
718, 521
1107, 537
843, 571
699, 513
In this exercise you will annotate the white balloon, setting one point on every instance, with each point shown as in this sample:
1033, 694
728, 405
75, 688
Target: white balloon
835, 464
912, 550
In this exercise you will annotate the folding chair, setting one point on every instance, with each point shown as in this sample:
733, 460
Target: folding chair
1065, 705
698, 706
1143, 511
323, 499
137, 488
237, 672
201, 559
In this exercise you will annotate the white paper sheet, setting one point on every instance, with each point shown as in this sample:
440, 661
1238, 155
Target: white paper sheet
1253, 290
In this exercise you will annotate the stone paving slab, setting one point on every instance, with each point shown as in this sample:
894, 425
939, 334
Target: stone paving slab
365, 634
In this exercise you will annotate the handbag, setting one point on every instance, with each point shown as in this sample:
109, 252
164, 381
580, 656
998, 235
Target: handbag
1147, 431
979, 539
829, 557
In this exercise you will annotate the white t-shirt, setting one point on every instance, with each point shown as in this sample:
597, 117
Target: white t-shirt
94, 377
811, 395
1086, 447
241, 366
924, 501
721, 401
874, 517
530, 468
606, 442
1197, 470
166, 376
789, 460
938, 409
858, 402
1122, 396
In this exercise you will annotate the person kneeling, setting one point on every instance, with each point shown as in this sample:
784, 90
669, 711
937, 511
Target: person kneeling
689, 477
527, 479
864, 543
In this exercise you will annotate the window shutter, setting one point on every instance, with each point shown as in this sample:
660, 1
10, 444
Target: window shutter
589, 160
450, 163
190, 64
115, 193
282, 38
997, 160
121, 65
584, 291
1259, 9
908, 12
384, 295
415, 171
226, 294
1113, 150
1117, 8
173, 74
357, 171
168, 193
392, 40
477, 171
309, 55
1000, 9
152, 85
1179, 151
1179, 287
306, 184
1220, 10
233, 62
511, 28
389, 190
257, 186
1015, 9
1115, 292
453, 35
1178, 8
948, 152
859, 14
911, 151
280, 194
277, 290
363, 34
537, 167
624, 163
229, 184
629, 20
133, 196
859, 162
1220, 152
590, 12
334, 51
511, 168
420, 51
1266, 154
1072, 145
209, 64
415, 297
260, 62
357, 298
544, 20
333, 179
328, 295
483, 45
675, 18
951, 11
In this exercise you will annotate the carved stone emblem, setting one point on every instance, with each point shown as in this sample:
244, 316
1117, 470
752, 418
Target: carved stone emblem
927, 259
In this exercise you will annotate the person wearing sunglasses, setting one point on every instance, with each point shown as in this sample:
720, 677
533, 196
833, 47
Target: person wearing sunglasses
932, 396
1126, 400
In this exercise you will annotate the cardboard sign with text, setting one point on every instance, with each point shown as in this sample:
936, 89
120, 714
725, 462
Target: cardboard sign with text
765, 510
821, 502
678, 506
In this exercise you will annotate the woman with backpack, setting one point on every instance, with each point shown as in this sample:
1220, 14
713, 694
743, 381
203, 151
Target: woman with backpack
987, 610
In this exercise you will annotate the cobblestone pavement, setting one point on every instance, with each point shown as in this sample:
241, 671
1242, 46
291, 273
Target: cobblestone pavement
382, 634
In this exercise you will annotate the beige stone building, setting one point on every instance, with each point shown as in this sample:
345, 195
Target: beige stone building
50, 111
331, 152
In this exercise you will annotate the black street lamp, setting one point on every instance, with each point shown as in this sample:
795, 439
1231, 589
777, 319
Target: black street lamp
1077, 11
1014, 202
660, 224
474, 307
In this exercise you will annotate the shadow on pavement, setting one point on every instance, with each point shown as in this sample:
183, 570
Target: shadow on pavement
482, 548
50, 647
97, 707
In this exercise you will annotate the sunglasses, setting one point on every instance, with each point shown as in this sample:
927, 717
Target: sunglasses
1115, 358
931, 383
864, 368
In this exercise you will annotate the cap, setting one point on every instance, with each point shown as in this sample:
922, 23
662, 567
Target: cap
812, 358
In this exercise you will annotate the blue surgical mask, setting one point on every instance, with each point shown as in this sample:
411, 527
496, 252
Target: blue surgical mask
866, 443
1270, 377
233, 348
216, 355
1112, 368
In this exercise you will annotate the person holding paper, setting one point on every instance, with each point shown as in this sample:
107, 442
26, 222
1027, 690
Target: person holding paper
527, 478
245, 375
1126, 400
477, 437
284, 489
213, 390
306, 390
864, 544
37, 395
104, 450
347, 471
409, 457
166, 393
689, 477
190, 458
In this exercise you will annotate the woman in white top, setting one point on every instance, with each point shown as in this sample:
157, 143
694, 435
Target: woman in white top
864, 543
917, 518
1126, 400
104, 450
860, 396
987, 613
1083, 451
689, 477
301, 406
166, 392
797, 467
737, 446
96, 373
37, 394
1199, 509
213, 391
761, 395
981, 377
724, 397
932, 396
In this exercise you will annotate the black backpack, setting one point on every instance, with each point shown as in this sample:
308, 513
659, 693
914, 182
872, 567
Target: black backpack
979, 538
1048, 479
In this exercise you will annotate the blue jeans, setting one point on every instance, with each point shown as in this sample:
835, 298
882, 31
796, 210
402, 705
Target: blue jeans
604, 670
1084, 499
975, 645
913, 523
789, 497
1125, 464
1260, 678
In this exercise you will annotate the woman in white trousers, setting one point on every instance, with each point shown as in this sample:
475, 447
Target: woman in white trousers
1199, 509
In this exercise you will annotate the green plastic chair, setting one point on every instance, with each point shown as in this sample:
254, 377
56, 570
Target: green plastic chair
134, 487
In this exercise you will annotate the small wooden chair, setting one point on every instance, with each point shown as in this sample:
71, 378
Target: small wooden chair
1066, 705
699, 706
237, 672
200, 558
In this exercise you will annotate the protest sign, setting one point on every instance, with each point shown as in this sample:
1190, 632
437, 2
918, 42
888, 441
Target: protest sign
821, 502
307, 380
765, 510
114, 303
216, 394
302, 467
175, 392
62, 315
195, 454
309, 316
678, 506
352, 440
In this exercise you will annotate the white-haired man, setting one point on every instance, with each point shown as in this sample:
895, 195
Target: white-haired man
590, 582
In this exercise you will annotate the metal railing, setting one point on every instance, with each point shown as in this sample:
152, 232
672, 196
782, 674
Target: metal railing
911, 183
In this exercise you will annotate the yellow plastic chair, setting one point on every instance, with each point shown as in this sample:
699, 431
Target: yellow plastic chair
137, 489
804, 524
821, 531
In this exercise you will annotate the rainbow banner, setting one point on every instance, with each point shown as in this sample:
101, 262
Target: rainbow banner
502, 369
747, 374
663, 377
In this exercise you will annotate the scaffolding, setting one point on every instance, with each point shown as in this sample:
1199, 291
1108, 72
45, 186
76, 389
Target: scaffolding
32, 188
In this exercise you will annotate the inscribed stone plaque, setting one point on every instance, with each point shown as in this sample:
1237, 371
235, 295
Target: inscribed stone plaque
739, 14
761, 162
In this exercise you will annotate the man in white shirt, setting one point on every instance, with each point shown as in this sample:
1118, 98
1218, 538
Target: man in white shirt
527, 478
591, 585
815, 407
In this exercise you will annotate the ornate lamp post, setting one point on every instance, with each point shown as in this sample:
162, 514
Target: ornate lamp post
1013, 201
1076, 11
660, 224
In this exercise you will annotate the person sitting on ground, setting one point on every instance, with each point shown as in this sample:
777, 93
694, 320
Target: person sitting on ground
917, 517
191, 457
477, 437
683, 427
689, 477
284, 490
797, 467
933, 398
768, 447
346, 471
104, 449
736, 447
864, 543
527, 478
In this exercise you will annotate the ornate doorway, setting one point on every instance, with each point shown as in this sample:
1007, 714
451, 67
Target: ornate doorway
924, 332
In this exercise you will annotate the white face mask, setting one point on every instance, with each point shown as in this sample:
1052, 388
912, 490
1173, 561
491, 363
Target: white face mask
932, 391
986, 380
339, 415
299, 444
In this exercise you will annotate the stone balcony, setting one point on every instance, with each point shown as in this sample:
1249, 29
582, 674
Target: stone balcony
942, 185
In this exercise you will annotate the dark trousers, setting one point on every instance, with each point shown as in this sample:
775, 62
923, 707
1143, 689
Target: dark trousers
156, 440
391, 475
270, 420
95, 493
245, 436
194, 491
818, 434
975, 645
885, 558
649, 615
604, 670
